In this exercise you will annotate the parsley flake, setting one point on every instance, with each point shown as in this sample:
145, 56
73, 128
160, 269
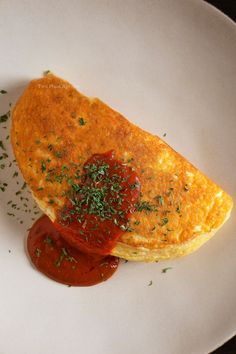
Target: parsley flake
164, 270
58, 154
160, 200
82, 121
2, 145
43, 166
38, 252
5, 117
178, 210
164, 221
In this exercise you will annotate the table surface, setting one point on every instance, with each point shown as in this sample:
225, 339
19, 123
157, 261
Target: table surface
229, 8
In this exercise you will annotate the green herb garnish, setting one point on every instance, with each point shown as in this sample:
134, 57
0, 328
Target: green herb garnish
24, 186
70, 181
164, 270
178, 210
82, 121
100, 194
134, 186
38, 252
164, 221
64, 255
58, 154
43, 166
160, 200
5, 117
48, 240
2, 145
145, 206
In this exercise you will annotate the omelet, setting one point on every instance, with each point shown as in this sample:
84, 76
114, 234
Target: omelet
55, 126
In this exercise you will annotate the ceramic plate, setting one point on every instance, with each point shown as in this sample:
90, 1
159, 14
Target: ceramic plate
169, 66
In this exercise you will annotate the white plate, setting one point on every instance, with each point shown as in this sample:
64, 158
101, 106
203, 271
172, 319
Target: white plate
168, 65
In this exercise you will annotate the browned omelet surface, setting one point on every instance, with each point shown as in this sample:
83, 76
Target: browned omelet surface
54, 126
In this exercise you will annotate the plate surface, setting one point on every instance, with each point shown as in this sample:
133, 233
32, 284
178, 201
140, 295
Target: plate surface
169, 66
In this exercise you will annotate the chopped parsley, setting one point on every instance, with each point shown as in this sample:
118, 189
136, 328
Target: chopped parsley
48, 240
64, 255
5, 117
38, 252
164, 270
82, 121
58, 154
24, 186
4, 156
164, 221
145, 206
2, 145
160, 200
43, 166
178, 210
134, 186
126, 228
101, 194
70, 181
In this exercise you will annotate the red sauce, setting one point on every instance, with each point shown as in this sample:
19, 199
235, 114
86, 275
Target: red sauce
98, 232
74, 250
52, 256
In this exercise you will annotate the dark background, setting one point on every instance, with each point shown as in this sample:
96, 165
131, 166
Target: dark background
229, 8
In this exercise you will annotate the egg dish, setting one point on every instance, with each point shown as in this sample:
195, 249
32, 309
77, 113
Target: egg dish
55, 126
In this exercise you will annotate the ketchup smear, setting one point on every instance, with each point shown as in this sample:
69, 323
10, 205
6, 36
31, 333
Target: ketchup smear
75, 249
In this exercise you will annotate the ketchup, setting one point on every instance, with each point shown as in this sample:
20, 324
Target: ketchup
52, 256
75, 249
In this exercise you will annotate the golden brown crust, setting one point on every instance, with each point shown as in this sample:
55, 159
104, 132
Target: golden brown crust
46, 125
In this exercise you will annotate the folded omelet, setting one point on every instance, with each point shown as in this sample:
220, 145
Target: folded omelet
54, 126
